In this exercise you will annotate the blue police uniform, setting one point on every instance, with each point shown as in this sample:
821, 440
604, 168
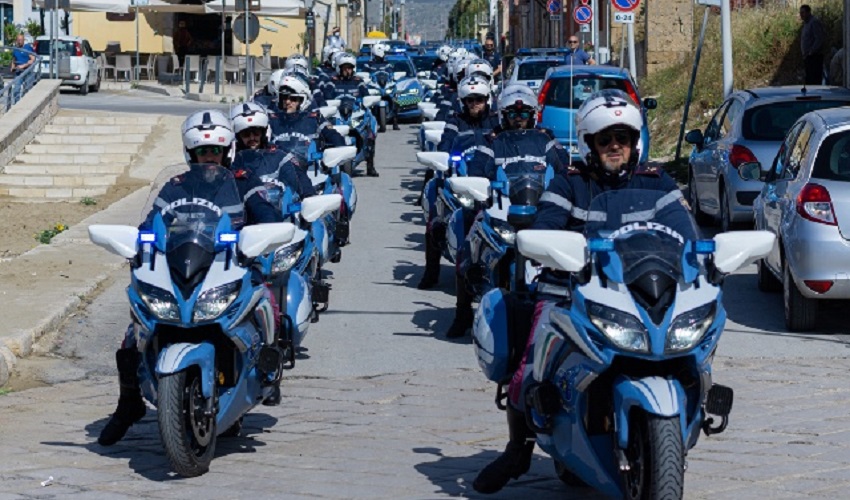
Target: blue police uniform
274, 165
493, 58
517, 151
294, 132
338, 86
375, 65
449, 104
461, 124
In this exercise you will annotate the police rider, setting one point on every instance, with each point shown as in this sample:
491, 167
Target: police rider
267, 96
608, 125
463, 133
295, 127
345, 82
379, 62
255, 152
208, 140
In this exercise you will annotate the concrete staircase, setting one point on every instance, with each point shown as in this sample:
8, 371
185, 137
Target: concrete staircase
78, 154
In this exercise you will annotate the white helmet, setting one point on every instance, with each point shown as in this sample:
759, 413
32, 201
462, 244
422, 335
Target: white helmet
207, 128
518, 94
379, 50
294, 85
460, 68
444, 52
480, 66
248, 115
460, 52
344, 59
473, 85
274, 81
297, 60
328, 53
604, 109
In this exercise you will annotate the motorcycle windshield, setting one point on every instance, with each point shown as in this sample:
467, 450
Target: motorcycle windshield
192, 199
382, 78
525, 188
347, 104
649, 229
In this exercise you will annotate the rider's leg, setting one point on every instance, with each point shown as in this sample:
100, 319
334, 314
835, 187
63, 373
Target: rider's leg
131, 407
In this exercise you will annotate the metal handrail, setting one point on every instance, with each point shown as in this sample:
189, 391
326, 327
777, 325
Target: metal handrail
12, 92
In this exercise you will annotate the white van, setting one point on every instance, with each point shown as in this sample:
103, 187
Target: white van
366, 44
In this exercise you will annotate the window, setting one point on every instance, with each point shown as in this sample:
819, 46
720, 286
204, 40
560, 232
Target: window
728, 121
712, 131
798, 152
778, 167
833, 158
535, 70
572, 92
770, 122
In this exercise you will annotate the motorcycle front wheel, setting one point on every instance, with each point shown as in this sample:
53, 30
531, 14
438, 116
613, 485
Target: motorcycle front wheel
656, 458
382, 119
187, 433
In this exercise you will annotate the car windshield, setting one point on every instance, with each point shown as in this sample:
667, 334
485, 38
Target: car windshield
572, 92
423, 63
42, 47
403, 66
771, 122
833, 158
535, 70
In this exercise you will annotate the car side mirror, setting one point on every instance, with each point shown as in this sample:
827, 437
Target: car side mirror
695, 137
650, 103
751, 171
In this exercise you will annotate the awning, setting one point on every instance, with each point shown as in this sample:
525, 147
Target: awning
173, 7
278, 8
116, 6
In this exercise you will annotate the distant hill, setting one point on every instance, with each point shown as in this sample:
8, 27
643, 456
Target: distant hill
428, 18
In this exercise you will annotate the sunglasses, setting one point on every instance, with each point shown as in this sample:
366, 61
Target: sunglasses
291, 97
208, 150
513, 115
622, 137
572, 42
251, 132
477, 99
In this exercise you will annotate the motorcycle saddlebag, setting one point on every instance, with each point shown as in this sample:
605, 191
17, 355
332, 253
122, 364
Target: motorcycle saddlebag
500, 333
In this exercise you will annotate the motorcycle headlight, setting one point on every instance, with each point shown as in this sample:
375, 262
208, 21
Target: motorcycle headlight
213, 302
355, 122
622, 329
160, 302
688, 328
286, 257
465, 200
505, 231
412, 91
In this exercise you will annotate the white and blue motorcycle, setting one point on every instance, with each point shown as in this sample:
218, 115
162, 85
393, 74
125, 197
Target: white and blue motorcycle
204, 320
620, 384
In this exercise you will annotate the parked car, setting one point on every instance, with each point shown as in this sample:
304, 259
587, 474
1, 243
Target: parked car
748, 127
529, 70
805, 201
565, 88
85, 71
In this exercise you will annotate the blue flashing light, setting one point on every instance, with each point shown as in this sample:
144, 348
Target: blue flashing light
228, 237
705, 246
146, 237
522, 210
456, 158
600, 245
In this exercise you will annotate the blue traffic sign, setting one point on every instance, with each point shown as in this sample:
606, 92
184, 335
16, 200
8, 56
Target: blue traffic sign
583, 14
625, 5
553, 6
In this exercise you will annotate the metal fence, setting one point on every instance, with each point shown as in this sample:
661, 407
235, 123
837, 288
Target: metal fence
11, 91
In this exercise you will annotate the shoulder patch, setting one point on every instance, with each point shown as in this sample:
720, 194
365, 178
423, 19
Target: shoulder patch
647, 169
178, 179
313, 114
241, 173
573, 170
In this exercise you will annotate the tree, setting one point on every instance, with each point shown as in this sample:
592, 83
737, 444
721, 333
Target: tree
34, 28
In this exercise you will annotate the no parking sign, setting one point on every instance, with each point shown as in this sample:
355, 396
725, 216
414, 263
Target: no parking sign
583, 14
625, 5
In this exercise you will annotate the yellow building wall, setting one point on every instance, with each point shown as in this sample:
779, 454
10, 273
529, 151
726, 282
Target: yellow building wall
94, 27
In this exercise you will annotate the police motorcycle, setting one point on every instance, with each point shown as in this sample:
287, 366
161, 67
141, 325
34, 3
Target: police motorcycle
327, 178
203, 317
382, 84
504, 207
354, 113
621, 380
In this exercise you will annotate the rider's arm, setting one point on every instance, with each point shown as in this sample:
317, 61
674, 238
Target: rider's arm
330, 137
556, 205
449, 133
482, 163
362, 90
254, 197
556, 155
295, 178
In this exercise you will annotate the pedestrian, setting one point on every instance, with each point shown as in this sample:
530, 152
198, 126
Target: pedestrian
492, 56
812, 41
334, 40
22, 56
183, 41
576, 55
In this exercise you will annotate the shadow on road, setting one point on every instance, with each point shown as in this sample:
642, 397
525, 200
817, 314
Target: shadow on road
143, 448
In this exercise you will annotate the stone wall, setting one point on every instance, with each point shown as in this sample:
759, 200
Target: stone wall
670, 33
27, 118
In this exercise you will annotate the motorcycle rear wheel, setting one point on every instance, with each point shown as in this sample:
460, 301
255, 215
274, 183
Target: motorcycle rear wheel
382, 119
656, 458
188, 435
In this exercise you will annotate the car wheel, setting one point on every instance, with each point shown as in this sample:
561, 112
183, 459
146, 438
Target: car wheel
84, 88
701, 217
767, 282
800, 311
96, 86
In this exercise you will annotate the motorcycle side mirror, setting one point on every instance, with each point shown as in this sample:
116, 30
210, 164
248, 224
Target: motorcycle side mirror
751, 172
371, 100
316, 207
737, 249
398, 75
117, 239
260, 239
335, 156
436, 160
560, 250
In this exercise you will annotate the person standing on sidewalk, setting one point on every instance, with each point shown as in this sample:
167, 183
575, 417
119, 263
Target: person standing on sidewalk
23, 57
576, 55
812, 40
492, 56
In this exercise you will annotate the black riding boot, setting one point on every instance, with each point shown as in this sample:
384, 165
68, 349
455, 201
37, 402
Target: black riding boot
516, 459
463, 313
370, 162
432, 265
429, 174
131, 407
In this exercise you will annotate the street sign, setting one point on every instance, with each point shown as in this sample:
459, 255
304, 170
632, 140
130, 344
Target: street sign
583, 14
253, 27
625, 5
555, 17
624, 17
553, 6
584, 28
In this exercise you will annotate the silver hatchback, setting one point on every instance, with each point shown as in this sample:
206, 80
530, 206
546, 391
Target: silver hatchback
805, 201
748, 127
